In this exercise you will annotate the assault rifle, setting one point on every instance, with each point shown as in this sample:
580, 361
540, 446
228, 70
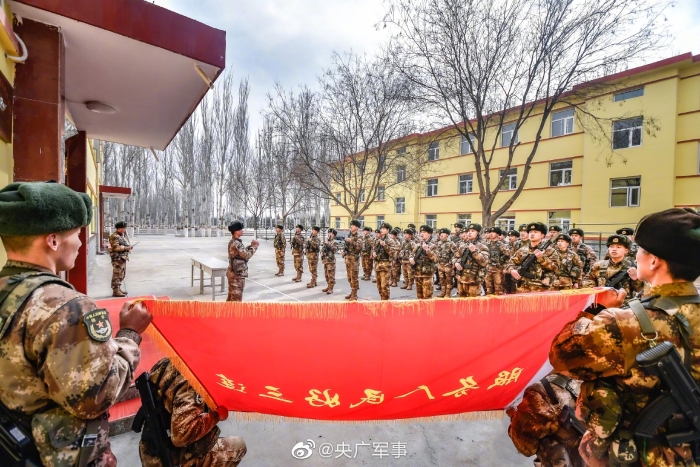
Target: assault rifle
417, 256
527, 263
466, 255
156, 419
16, 444
615, 280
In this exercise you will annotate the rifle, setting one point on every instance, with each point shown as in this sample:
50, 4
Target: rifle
419, 253
16, 444
616, 279
527, 263
156, 420
681, 396
466, 255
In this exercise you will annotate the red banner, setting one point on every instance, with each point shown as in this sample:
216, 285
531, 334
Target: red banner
364, 360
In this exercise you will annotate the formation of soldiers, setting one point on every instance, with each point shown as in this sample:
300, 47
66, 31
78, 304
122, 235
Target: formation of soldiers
473, 260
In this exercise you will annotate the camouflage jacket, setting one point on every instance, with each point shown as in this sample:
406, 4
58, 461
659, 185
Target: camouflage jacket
518, 245
56, 376
545, 269
297, 244
387, 252
312, 245
192, 424
587, 255
367, 245
406, 249
445, 252
328, 251
605, 269
604, 346
454, 238
118, 246
425, 263
280, 243
499, 253
353, 244
570, 269
238, 256
474, 270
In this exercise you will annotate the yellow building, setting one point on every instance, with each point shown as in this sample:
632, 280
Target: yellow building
576, 177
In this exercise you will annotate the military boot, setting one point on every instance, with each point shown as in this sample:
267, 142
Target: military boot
404, 286
330, 290
123, 290
311, 284
326, 289
352, 296
117, 293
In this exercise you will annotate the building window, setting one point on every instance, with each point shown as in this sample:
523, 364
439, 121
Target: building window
401, 150
401, 173
466, 184
507, 134
337, 222
464, 146
507, 222
560, 173
625, 191
337, 198
380, 221
361, 220
400, 205
431, 220
432, 187
623, 96
563, 122
434, 151
381, 164
465, 219
560, 218
380, 193
510, 182
627, 133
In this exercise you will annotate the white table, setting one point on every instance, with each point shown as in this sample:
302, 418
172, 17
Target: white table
212, 266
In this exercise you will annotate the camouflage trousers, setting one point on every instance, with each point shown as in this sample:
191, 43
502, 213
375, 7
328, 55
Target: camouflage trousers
118, 272
279, 257
367, 266
407, 273
395, 271
312, 259
236, 284
329, 271
446, 273
526, 287
494, 280
299, 265
467, 286
509, 284
424, 287
227, 452
383, 272
352, 268
563, 283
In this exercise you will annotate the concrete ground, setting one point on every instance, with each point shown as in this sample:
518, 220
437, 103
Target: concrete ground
160, 265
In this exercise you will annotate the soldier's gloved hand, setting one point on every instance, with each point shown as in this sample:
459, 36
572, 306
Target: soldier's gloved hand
223, 413
135, 316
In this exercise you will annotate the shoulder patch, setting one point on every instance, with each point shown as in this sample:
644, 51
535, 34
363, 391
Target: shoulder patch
98, 326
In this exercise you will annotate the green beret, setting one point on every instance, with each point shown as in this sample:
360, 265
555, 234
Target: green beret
474, 226
576, 231
426, 228
36, 208
538, 226
618, 240
672, 235
625, 231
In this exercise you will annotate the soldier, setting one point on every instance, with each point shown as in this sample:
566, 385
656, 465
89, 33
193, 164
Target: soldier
60, 367
470, 260
312, 246
423, 258
377, 233
385, 248
524, 238
238, 257
619, 271
328, 260
455, 237
585, 252
445, 252
601, 348
540, 275
298, 252
509, 284
119, 249
554, 230
629, 233
367, 249
499, 254
193, 430
513, 236
395, 235
570, 265
351, 253
280, 244
404, 254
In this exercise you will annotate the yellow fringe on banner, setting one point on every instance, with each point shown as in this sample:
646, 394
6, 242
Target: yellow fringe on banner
460, 417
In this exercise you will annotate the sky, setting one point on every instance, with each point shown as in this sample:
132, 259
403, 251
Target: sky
292, 41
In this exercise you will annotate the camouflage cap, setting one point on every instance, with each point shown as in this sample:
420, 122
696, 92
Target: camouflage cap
474, 226
625, 231
235, 226
426, 228
618, 240
672, 235
538, 226
577, 231
36, 208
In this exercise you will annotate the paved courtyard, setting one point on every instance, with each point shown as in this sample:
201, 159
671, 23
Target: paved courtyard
160, 265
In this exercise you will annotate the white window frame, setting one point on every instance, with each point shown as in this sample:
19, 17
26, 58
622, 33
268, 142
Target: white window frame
630, 131
361, 196
434, 151
564, 171
381, 193
629, 94
400, 205
337, 222
400, 173
465, 185
630, 195
380, 221
511, 180
431, 187
506, 223
431, 220
465, 219
565, 118
508, 131
464, 146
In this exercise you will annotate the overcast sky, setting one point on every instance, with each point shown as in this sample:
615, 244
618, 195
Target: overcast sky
291, 41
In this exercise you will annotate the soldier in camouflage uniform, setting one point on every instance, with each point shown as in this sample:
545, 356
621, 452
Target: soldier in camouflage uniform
604, 272
328, 259
119, 249
510, 284
298, 252
524, 238
193, 425
499, 254
545, 267
554, 230
385, 249
313, 248
376, 236
238, 257
60, 367
367, 249
456, 236
351, 253
280, 244
585, 252
629, 233
424, 258
600, 348
445, 252
395, 235
404, 254
570, 266
470, 261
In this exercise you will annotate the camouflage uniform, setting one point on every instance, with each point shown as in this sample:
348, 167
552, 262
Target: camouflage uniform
280, 244
396, 264
238, 256
499, 254
570, 270
599, 348
328, 259
192, 426
425, 267
383, 264
313, 247
545, 269
404, 254
367, 260
587, 255
298, 253
119, 253
56, 376
472, 276
605, 269
445, 252
353, 246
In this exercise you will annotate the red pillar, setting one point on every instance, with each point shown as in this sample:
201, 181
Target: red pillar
39, 104
76, 156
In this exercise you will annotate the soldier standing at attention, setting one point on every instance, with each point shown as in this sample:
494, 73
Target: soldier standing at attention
280, 244
119, 249
585, 252
404, 254
328, 259
238, 257
629, 233
509, 284
395, 235
60, 367
351, 253
374, 243
554, 230
385, 248
313, 248
570, 266
524, 238
543, 270
423, 258
470, 261
619, 271
445, 252
298, 252
367, 248
499, 254
456, 236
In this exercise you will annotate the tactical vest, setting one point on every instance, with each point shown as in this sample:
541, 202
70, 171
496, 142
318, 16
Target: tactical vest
495, 254
297, 243
279, 243
382, 251
327, 254
312, 246
367, 246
